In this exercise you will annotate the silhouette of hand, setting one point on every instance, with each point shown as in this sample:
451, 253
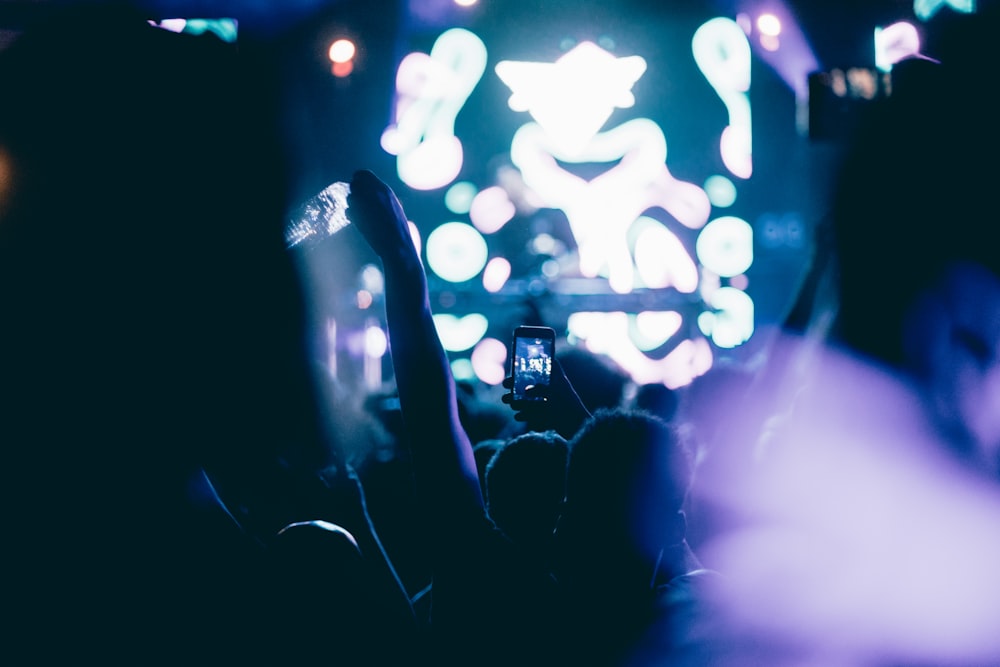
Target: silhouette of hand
377, 213
562, 411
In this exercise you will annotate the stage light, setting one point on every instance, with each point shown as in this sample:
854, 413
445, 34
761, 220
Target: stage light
341, 54
496, 274
925, 9
732, 323
894, 43
376, 342
456, 252
342, 50
372, 279
661, 259
365, 299
722, 52
459, 197
225, 29
458, 334
574, 96
430, 91
654, 328
489, 360
769, 24
491, 209
720, 190
725, 246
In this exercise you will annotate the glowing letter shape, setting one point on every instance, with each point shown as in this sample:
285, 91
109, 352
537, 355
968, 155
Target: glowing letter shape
431, 90
723, 54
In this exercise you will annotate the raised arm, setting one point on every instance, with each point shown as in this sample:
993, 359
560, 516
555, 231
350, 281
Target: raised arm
446, 475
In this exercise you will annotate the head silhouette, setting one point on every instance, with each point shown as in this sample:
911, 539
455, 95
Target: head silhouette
627, 479
525, 485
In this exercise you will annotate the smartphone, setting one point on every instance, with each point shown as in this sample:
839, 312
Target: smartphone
531, 360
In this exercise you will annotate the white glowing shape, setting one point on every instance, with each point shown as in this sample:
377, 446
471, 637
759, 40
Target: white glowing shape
722, 52
924, 9
459, 197
430, 91
662, 260
654, 328
608, 333
894, 43
573, 97
376, 342
491, 209
456, 251
720, 190
489, 361
769, 24
458, 334
342, 51
725, 246
495, 274
173, 25
372, 279
733, 323
601, 210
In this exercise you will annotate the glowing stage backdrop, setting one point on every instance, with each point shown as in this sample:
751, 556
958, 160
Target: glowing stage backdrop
636, 175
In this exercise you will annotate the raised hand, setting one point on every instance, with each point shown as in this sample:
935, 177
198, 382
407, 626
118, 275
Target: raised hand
377, 213
562, 411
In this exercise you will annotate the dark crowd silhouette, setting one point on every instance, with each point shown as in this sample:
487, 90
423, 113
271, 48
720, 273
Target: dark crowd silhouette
182, 487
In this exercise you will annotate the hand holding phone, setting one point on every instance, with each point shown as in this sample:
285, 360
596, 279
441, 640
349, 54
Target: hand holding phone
531, 358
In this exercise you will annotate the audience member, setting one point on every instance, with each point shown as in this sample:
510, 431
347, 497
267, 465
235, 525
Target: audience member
525, 486
152, 343
628, 579
490, 604
868, 526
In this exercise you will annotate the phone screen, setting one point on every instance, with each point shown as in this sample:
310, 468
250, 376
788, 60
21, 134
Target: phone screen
531, 360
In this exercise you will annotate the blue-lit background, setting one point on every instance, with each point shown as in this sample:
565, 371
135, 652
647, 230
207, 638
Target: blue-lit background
685, 293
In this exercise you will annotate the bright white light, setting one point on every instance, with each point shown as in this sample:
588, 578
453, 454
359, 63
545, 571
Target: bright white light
690, 359
894, 43
662, 260
489, 360
721, 191
372, 279
769, 24
456, 251
574, 96
924, 9
725, 246
733, 324
602, 209
496, 274
342, 51
491, 209
466, 3
722, 52
376, 342
459, 197
458, 334
173, 25
430, 91
654, 328
609, 333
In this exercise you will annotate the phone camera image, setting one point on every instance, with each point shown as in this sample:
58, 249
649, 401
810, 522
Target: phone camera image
531, 362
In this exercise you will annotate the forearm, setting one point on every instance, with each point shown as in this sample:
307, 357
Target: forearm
440, 447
